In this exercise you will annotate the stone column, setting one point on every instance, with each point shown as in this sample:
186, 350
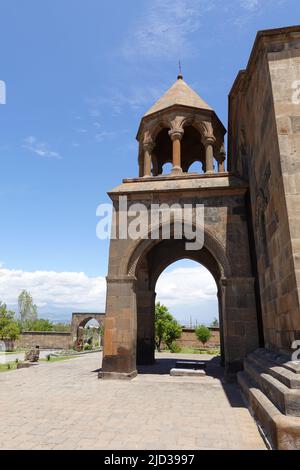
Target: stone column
221, 165
120, 332
209, 154
239, 320
154, 165
221, 159
176, 136
148, 147
145, 326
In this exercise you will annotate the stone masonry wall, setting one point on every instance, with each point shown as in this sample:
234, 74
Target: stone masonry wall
45, 340
264, 148
189, 339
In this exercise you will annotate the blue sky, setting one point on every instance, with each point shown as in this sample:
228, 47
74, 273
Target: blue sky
79, 76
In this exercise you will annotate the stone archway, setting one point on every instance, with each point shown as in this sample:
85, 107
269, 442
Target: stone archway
151, 264
151, 258
129, 334
79, 320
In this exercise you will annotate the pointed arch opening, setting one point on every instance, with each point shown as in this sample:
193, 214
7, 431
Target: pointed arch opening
192, 148
189, 291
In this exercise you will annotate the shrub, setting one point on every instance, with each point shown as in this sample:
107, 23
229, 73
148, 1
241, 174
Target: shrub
203, 334
167, 329
8, 326
39, 324
174, 347
88, 347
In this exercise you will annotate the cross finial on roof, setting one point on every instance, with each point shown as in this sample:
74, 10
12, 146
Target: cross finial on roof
180, 76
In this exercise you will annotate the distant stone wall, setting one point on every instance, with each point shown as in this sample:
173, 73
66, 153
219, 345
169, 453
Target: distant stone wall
189, 339
55, 340
45, 340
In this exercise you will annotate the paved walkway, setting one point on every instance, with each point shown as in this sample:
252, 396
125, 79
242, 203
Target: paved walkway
63, 405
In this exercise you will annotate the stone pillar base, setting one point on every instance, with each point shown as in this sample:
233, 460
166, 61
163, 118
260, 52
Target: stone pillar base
176, 170
117, 375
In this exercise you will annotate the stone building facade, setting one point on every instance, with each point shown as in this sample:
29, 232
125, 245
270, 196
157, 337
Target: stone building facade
251, 228
264, 145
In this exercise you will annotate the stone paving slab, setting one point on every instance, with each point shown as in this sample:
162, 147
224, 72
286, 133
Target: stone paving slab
64, 405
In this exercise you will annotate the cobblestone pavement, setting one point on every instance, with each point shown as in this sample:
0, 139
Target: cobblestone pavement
63, 405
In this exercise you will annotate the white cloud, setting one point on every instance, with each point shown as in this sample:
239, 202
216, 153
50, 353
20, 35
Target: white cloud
254, 5
57, 294
190, 293
134, 98
54, 290
97, 124
250, 4
186, 286
251, 8
165, 27
39, 148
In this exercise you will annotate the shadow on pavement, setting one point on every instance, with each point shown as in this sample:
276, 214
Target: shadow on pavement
214, 369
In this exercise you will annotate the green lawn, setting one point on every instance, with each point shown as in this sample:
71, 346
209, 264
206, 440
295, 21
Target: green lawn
8, 366
6, 353
57, 358
210, 351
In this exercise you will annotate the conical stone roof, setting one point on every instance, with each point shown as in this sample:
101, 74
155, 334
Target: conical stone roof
181, 94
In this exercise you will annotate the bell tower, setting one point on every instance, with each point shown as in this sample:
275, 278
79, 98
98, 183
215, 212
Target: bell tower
179, 130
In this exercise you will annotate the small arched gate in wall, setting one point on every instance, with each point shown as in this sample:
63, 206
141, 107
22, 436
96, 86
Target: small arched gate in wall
79, 320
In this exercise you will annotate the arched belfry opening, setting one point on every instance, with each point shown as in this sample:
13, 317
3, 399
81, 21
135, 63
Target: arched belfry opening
181, 162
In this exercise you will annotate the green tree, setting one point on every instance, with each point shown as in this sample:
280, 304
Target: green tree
40, 324
203, 334
62, 327
167, 329
215, 323
27, 309
8, 326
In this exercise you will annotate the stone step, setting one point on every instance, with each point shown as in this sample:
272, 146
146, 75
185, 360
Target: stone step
285, 399
279, 359
187, 372
282, 432
287, 377
194, 365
